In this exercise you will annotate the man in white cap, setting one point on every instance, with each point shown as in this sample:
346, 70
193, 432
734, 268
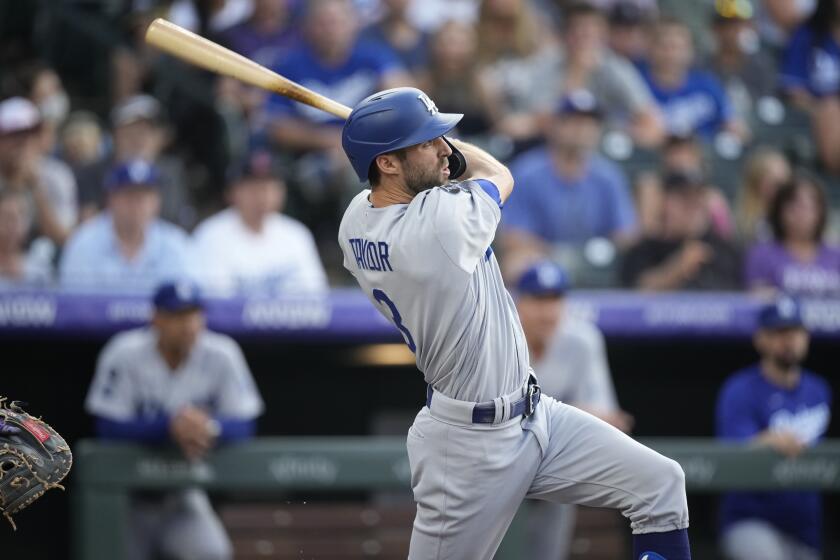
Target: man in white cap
46, 183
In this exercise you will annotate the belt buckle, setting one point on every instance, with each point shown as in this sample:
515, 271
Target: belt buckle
534, 390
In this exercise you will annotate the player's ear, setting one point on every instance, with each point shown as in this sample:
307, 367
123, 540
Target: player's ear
388, 164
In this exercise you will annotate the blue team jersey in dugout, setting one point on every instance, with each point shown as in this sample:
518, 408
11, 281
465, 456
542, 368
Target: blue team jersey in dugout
749, 404
699, 105
349, 82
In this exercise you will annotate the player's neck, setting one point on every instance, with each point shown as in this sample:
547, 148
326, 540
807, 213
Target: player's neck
386, 194
784, 377
173, 357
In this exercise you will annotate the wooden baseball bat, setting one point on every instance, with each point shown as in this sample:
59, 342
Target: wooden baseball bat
206, 54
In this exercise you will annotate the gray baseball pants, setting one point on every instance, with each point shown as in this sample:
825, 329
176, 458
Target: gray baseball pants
469, 479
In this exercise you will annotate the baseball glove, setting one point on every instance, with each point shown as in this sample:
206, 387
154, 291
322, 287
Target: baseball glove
33, 459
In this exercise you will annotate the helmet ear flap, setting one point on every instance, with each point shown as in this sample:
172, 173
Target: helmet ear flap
457, 161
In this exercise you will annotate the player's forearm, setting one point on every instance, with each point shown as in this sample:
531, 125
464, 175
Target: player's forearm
481, 165
147, 431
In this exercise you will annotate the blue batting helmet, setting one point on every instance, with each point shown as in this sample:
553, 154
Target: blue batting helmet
390, 120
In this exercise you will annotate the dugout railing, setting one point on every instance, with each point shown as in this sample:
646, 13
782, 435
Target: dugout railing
106, 474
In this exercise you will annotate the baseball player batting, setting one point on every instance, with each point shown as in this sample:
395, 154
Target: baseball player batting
418, 243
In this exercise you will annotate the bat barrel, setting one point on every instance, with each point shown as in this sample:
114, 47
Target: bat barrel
201, 52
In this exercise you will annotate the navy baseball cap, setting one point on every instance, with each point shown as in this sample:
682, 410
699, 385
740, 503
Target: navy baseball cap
544, 278
132, 173
178, 296
580, 102
627, 14
784, 313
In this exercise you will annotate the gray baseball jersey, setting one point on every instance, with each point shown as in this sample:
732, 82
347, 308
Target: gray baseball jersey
132, 380
428, 267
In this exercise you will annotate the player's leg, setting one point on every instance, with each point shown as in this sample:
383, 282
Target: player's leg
551, 527
468, 483
194, 531
754, 539
588, 462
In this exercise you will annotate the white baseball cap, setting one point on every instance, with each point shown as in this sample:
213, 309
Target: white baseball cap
18, 114
140, 107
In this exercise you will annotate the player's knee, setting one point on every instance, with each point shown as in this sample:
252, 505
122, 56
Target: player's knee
669, 477
663, 500
674, 475
671, 482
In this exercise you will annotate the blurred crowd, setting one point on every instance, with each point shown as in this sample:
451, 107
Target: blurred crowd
655, 145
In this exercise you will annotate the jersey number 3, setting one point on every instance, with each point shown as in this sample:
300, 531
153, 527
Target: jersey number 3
381, 297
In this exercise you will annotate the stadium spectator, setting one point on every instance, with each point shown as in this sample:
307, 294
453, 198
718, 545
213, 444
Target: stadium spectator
127, 247
209, 17
810, 75
396, 30
44, 88
140, 132
513, 48
692, 101
797, 260
426, 14
776, 20
452, 78
17, 266
682, 154
334, 62
174, 383
265, 35
569, 357
83, 149
250, 248
628, 35
686, 254
46, 183
778, 404
133, 62
747, 72
585, 62
765, 170
566, 192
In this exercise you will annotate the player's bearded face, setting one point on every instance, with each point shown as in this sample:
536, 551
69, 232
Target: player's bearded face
786, 347
426, 166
